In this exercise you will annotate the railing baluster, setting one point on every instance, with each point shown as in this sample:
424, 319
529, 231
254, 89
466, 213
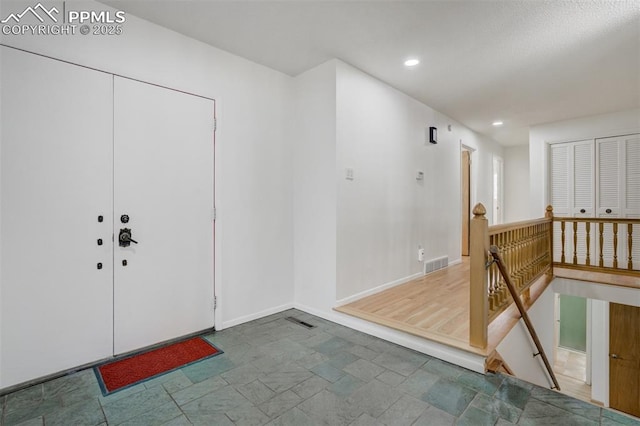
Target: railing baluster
601, 244
630, 244
575, 243
562, 225
615, 244
588, 228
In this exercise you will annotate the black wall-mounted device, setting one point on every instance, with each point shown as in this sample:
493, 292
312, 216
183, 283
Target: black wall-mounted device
433, 135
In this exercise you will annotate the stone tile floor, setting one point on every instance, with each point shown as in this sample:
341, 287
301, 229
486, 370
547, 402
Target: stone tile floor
276, 372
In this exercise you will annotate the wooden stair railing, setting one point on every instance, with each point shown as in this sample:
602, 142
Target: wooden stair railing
597, 244
495, 253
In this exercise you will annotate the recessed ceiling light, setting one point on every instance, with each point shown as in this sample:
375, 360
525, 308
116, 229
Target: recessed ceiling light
411, 62
497, 123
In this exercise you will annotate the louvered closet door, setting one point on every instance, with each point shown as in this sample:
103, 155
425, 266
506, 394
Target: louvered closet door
618, 196
559, 193
631, 207
583, 198
572, 194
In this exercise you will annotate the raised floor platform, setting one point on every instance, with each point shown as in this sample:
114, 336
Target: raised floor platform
436, 307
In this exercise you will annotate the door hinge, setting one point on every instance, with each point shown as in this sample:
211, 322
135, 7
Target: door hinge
215, 302
215, 124
214, 214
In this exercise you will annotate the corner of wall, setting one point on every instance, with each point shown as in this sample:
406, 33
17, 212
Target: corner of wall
314, 189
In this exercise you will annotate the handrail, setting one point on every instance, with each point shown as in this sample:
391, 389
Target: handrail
503, 227
596, 219
495, 253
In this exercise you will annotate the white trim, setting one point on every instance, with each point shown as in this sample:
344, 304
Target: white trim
450, 354
378, 289
257, 315
603, 135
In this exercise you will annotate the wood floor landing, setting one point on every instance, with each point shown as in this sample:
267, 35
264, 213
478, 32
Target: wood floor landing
436, 307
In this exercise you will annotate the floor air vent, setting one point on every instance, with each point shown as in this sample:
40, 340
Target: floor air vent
301, 323
435, 264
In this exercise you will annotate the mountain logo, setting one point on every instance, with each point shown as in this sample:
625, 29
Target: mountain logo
33, 11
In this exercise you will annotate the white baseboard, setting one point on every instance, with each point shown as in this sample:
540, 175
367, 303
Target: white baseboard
455, 262
255, 316
456, 356
378, 289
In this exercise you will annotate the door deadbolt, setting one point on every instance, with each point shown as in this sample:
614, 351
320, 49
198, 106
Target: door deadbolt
124, 218
125, 240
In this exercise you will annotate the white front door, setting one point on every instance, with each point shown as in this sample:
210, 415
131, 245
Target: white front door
163, 169
55, 181
77, 145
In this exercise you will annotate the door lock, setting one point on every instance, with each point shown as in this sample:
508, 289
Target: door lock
124, 218
125, 240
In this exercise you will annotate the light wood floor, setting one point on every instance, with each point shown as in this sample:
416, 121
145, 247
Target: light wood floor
436, 307
570, 368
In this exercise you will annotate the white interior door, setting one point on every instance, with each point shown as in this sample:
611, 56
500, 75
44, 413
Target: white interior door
55, 180
163, 168
498, 190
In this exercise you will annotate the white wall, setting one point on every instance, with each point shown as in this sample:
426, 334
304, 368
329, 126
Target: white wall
598, 126
517, 348
384, 213
516, 185
314, 189
600, 351
254, 258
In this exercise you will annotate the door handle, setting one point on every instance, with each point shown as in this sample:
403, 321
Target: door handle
614, 356
583, 211
124, 239
607, 211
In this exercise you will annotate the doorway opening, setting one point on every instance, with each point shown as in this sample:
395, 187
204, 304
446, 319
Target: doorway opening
572, 360
465, 191
498, 190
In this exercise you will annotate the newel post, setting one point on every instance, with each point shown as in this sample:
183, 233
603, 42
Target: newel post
479, 279
548, 214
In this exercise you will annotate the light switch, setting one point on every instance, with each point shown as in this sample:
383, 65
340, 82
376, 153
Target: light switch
349, 173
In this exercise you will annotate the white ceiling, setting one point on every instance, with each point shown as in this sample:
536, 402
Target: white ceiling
523, 62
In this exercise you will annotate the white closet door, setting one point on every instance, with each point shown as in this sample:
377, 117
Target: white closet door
609, 175
618, 195
631, 207
163, 161
583, 195
572, 194
559, 193
582, 182
609, 196
55, 180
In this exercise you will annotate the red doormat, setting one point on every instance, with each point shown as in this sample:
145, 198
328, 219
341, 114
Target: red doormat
127, 372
